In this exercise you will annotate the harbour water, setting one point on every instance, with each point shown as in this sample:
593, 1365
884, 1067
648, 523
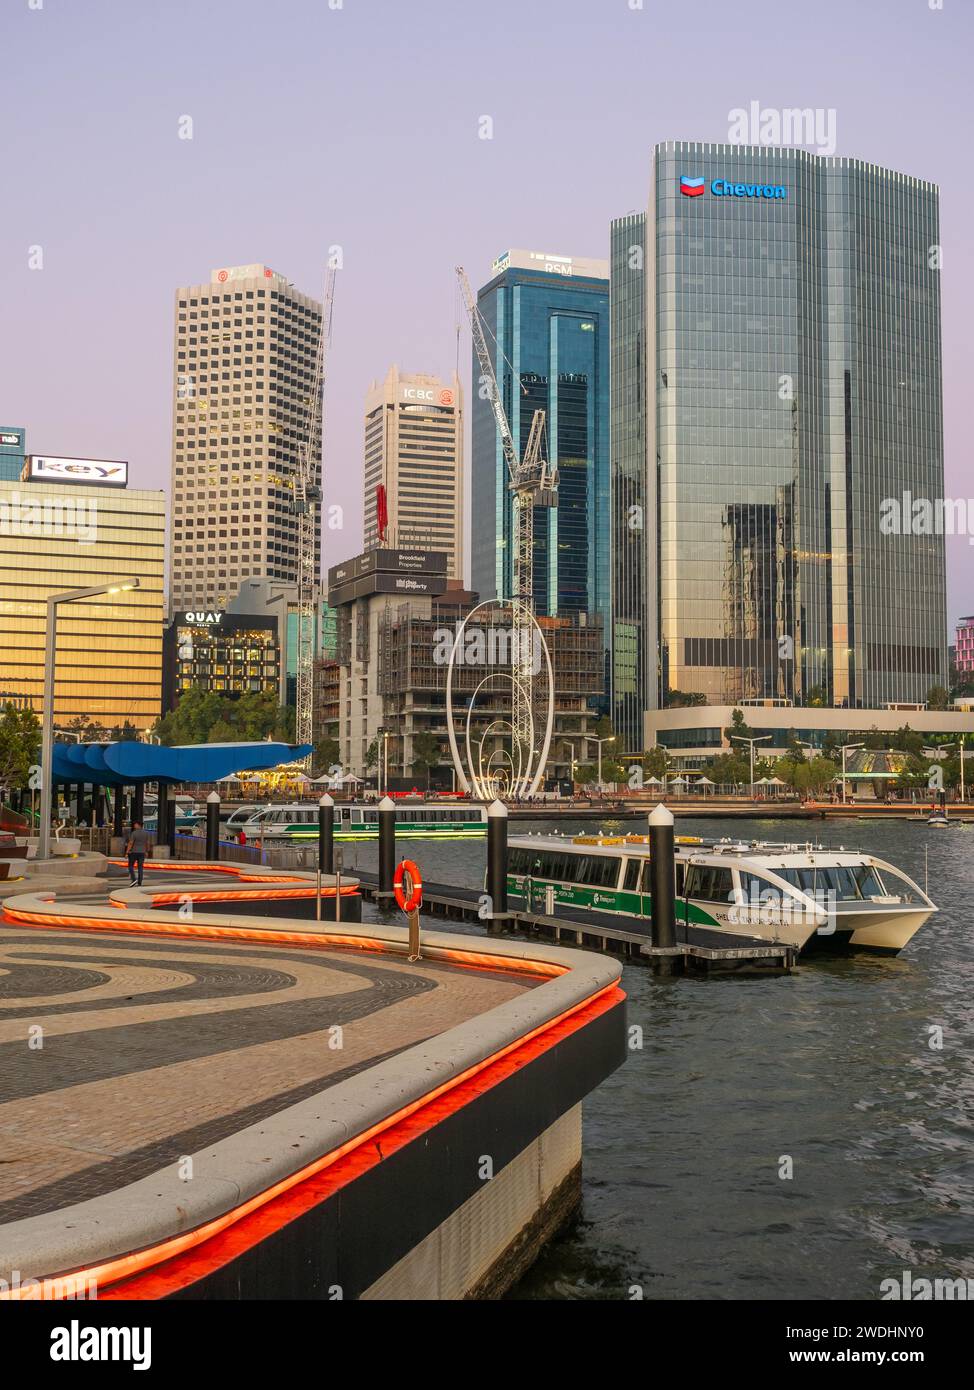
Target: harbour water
836, 1068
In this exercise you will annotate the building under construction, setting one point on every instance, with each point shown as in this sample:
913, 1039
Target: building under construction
393, 657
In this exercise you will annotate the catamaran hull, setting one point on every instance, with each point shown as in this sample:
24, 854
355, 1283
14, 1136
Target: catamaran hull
885, 932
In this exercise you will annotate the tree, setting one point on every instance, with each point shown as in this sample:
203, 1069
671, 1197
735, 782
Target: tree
204, 716
20, 741
820, 774
372, 754
427, 754
937, 697
729, 768
739, 727
656, 763
586, 774
682, 699
326, 755
817, 696
612, 771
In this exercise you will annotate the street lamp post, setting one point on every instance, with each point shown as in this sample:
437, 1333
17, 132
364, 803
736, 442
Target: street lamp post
960, 749
738, 738
847, 748
610, 739
47, 732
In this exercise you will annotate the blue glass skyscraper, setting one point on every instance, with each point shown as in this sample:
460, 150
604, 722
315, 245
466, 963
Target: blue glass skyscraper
547, 323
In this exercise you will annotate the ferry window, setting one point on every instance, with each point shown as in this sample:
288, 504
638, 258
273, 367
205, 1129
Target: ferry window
632, 875
601, 870
518, 861
709, 883
868, 881
346, 813
753, 885
557, 868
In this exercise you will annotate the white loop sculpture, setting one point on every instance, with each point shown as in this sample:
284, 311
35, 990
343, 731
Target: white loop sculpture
515, 771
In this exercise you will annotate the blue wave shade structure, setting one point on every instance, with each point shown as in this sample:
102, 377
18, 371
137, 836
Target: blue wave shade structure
114, 764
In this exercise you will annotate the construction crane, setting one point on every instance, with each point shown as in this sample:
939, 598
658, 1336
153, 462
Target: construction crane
307, 503
533, 482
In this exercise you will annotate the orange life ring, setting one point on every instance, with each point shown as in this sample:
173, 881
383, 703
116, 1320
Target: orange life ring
406, 866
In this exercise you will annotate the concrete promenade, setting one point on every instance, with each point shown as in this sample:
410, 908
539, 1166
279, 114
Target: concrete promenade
159, 1070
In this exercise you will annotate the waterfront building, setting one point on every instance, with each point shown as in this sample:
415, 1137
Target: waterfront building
633, 664
547, 320
13, 452
414, 454
62, 534
244, 356
964, 649
395, 630
220, 653
793, 387
697, 733
274, 598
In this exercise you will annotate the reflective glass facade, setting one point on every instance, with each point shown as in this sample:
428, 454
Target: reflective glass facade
794, 381
13, 451
549, 337
109, 649
627, 310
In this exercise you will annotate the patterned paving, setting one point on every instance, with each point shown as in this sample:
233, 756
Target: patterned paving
120, 1054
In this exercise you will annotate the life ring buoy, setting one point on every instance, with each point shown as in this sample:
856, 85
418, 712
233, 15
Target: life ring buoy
415, 899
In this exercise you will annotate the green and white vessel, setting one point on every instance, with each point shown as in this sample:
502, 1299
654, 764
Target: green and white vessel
427, 820
804, 895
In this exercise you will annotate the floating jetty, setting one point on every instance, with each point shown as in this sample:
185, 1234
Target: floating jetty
204, 1101
699, 950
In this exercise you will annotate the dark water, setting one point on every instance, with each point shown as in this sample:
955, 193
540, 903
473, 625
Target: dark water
831, 1066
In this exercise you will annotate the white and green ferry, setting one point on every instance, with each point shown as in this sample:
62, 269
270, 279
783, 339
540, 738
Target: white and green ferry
805, 895
414, 821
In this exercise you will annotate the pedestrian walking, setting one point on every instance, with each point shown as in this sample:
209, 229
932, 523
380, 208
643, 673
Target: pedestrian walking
136, 849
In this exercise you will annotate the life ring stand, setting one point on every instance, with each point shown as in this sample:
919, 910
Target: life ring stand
415, 899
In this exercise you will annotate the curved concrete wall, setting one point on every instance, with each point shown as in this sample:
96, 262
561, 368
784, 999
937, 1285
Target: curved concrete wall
150, 1211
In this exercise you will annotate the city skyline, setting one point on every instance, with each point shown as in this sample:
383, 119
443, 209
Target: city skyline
189, 202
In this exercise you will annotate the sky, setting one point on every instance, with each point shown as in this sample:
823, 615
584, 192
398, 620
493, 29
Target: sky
357, 123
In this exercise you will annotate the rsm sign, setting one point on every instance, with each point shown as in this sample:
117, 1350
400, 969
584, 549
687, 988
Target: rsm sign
725, 188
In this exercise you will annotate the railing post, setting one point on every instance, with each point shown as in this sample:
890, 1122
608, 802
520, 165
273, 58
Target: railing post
662, 877
326, 834
387, 846
497, 858
213, 826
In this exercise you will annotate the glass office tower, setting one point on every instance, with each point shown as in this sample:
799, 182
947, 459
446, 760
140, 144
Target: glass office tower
627, 442
548, 329
794, 384
13, 452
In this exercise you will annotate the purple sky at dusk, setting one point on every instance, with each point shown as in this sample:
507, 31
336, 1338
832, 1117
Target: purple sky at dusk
359, 126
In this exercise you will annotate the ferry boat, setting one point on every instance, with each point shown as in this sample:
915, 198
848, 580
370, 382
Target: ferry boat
414, 821
806, 895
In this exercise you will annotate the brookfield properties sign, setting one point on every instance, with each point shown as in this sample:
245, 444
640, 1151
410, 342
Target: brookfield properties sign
727, 188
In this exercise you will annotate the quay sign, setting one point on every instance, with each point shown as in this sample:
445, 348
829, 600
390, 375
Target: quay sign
724, 188
202, 619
